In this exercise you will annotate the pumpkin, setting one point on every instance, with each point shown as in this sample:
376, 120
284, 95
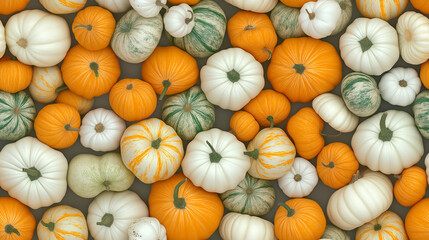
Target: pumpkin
416, 221
235, 226
369, 46
285, 21
300, 180
33, 173
388, 142
427, 165
17, 113
424, 74
244, 126
170, 70
179, 20
115, 6
259, 6
252, 196
177, 200
21, 74
365, 198
2, 40
149, 8
410, 186
152, 150
146, 228
132, 99
296, 3
233, 74
57, 125
420, 5
47, 82
303, 68
319, 19
111, 213
136, 37
334, 233
81, 104
254, 33
49, 42
400, 86
386, 226
360, 94
189, 2
384, 9
17, 222
346, 14
90, 73
215, 161
188, 113
305, 129
93, 28
421, 112
336, 165
295, 216
63, 7
62, 222
7, 7
101, 130
207, 35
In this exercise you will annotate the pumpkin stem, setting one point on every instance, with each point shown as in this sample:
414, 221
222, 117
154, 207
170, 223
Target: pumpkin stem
68, 127
249, 28
310, 15
160, 4
9, 229
156, 143
269, 53
377, 227
385, 134
365, 44
215, 157
253, 154
297, 178
233, 75
190, 19
330, 135
13, 58
22, 43
299, 68
187, 107
99, 128
330, 164
290, 211
403, 83
271, 120
60, 89
32, 173
249, 191
166, 84
50, 225
94, 67
88, 27
398, 176
107, 184
343, 5
107, 220
355, 177
179, 202
16, 111
129, 86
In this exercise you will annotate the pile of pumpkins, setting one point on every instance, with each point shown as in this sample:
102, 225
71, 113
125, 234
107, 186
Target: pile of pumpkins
218, 170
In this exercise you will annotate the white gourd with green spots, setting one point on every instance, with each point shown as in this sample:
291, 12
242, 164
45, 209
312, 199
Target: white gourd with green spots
17, 113
334, 233
360, 93
285, 21
346, 14
421, 113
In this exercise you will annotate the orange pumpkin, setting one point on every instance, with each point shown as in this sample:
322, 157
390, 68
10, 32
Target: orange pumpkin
189, 2
336, 165
303, 68
82, 105
269, 108
14, 75
304, 128
133, 99
8, 7
93, 27
16, 220
295, 3
57, 125
186, 211
170, 70
299, 219
417, 221
410, 186
424, 74
244, 125
253, 32
421, 5
90, 73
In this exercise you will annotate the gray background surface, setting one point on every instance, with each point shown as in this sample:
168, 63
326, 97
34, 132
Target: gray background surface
320, 194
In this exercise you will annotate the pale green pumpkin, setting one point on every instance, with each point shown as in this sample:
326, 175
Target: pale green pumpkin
346, 14
285, 21
17, 113
421, 112
189, 113
252, 196
334, 233
207, 35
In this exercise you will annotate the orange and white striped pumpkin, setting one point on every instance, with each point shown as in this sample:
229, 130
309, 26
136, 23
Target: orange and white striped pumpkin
152, 150
63, 6
47, 82
384, 9
385, 227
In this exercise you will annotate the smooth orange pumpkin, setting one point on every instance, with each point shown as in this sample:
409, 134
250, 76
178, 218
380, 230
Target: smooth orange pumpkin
133, 99
253, 32
410, 186
424, 74
57, 125
189, 2
336, 164
93, 27
16, 220
303, 68
244, 126
14, 75
170, 70
295, 3
417, 221
421, 5
299, 219
90, 73
186, 211
8, 7
82, 104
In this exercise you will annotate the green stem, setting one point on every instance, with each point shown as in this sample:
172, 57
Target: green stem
188, 20
106, 184
50, 225
299, 68
377, 227
385, 134
156, 143
253, 154
330, 164
107, 220
94, 67
365, 44
290, 211
249, 28
269, 53
214, 156
166, 84
68, 127
9, 229
179, 203
32, 173
355, 177
271, 120
88, 27
13, 58
233, 75
160, 4
330, 135
60, 89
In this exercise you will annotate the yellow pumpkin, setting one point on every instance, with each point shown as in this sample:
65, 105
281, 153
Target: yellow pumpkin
385, 227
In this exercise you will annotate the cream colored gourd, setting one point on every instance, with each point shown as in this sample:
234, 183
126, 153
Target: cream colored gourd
146, 228
63, 7
179, 20
300, 180
2, 40
148, 8
319, 19
236, 226
427, 165
115, 6
400, 86
260, 6
386, 226
47, 82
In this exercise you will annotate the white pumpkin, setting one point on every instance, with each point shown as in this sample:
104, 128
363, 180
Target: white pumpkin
38, 38
33, 173
147, 228
101, 130
179, 20
369, 46
361, 201
148, 8
214, 160
413, 32
260, 6
110, 214
319, 19
388, 142
231, 78
332, 109
400, 86
2, 40
63, 7
46, 83
236, 226
300, 180
115, 6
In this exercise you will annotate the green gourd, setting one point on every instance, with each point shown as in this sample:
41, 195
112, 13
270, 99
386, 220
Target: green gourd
285, 21
421, 112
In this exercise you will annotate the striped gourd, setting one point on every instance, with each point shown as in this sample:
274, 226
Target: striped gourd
252, 196
47, 82
360, 93
189, 113
17, 113
421, 112
386, 226
285, 21
207, 35
383, 9
334, 233
63, 7
346, 14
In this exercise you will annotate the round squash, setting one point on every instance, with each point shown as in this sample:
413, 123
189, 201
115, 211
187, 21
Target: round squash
301, 180
17, 222
410, 186
11, 68
81, 104
63, 7
386, 226
285, 21
296, 3
421, 113
7, 7
417, 222
420, 5
47, 82
384, 9
400, 86
244, 126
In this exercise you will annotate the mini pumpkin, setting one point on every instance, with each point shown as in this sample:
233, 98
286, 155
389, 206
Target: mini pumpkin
383, 9
115, 6
149, 8
11, 68
2, 40
47, 82
179, 20
300, 180
420, 5
386, 226
8, 7
285, 21
81, 104
319, 19
416, 221
421, 112
63, 7
261, 6
400, 86
410, 186
424, 74
17, 222
296, 3
235, 226
244, 126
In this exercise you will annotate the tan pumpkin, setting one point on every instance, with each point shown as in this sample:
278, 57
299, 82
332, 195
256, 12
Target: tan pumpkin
81, 104
385, 227
410, 186
244, 126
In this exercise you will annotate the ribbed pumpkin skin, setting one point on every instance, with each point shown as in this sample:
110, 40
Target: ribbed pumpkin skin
421, 112
285, 21
199, 219
19, 72
189, 2
8, 7
424, 73
411, 186
93, 27
295, 3
17, 113
346, 14
336, 164
386, 226
417, 222
303, 68
384, 9
63, 7
82, 79
334, 233
244, 126
81, 104
420, 5
45, 82
17, 215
